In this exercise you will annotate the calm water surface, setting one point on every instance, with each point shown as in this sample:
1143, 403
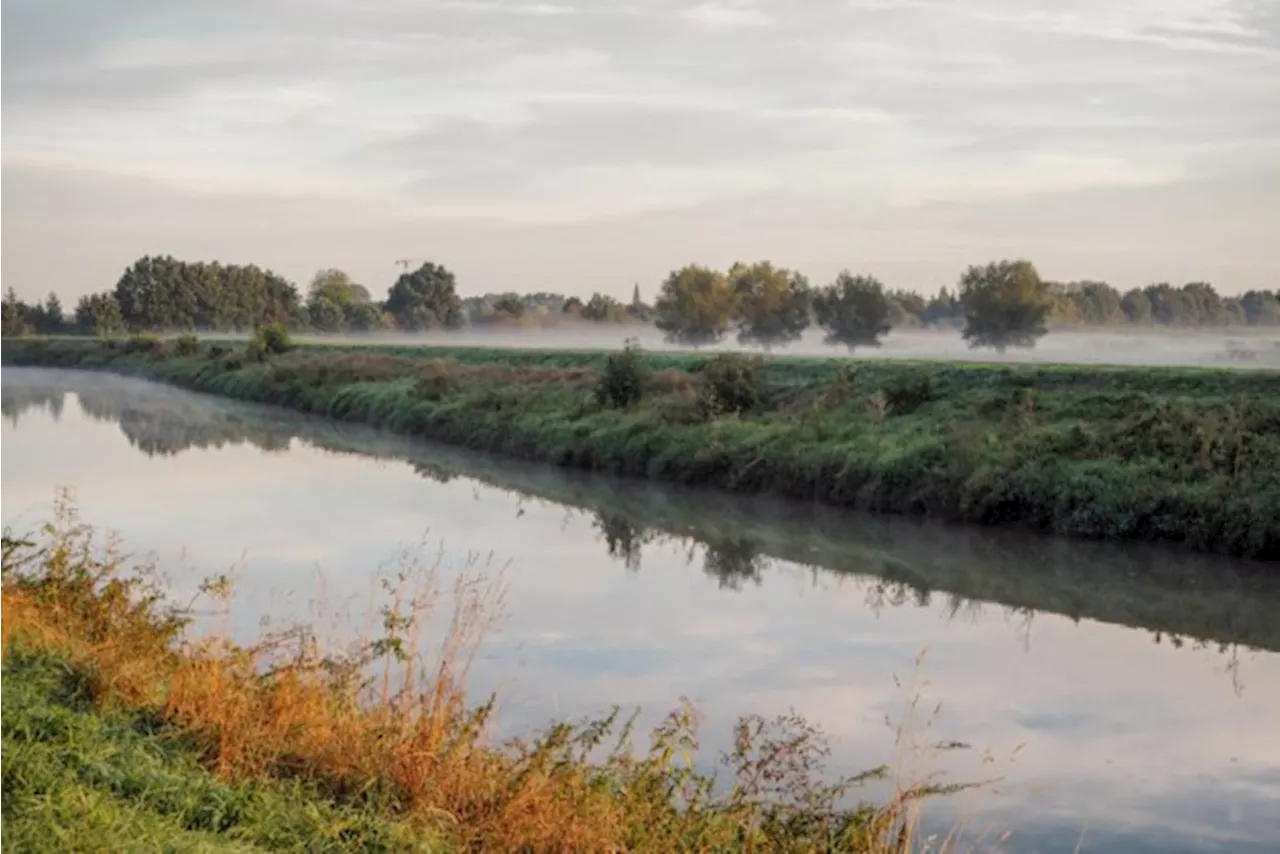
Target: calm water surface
1144, 684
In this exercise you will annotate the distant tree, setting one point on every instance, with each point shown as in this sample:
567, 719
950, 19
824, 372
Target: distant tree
604, 308
509, 307
906, 308
943, 309
773, 304
572, 307
853, 310
336, 302
1005, 305
1261, 308
695, 306
16, 316
100, 314
1097, 303
1136, 306
427, 298
53, 322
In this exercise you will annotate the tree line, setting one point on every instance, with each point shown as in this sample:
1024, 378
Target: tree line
1001, 304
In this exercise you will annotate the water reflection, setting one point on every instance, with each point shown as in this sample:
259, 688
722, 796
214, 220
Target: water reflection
1183, 599
1134, 675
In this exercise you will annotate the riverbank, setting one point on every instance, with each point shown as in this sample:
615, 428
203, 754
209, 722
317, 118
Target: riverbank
1177, 455
123, 727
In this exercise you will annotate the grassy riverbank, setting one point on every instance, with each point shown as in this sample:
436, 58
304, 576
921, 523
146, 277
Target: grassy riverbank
1178, 455
123, 729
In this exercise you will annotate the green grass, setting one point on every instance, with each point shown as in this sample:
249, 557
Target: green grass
1179, 455
77, 778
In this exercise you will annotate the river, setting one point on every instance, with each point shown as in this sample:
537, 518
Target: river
1123, 695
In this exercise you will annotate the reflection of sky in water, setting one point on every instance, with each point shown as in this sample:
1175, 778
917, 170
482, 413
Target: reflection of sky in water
1144, 746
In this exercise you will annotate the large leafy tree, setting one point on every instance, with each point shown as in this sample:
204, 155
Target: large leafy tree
773, 304
604, 308
100, 314
1005, 305
164, 293
336, 302
427, 298
695, 306
854, 311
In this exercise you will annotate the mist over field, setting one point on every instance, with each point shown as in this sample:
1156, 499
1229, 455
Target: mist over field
1241, 348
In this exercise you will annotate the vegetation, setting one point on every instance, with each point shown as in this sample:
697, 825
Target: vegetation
999, 305
854, 311
1185, 456
1005, 305
122, 729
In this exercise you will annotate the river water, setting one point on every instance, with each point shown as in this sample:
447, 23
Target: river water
1123, 698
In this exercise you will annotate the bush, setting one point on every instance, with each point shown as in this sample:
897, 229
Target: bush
622, 383
909, 392
732, 383
143, 343
256, 350
273, 338
186, 345
435, 386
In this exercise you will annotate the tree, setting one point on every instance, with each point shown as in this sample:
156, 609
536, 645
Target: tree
602, 307
695, 306
853, 310
1005, 305
16, 315
1097, 303
336, 302
52, 322
1136, 306
773, 304
427, 298
100, 315
1261, 308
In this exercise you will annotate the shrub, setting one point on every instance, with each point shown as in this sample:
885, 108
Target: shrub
435, 386
622, 383
910, 391
732, 383
186, 345
143, 343
273, 338
257, 350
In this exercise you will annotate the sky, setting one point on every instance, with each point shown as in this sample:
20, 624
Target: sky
583, 145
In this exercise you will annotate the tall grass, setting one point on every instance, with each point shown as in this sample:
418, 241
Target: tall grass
1183, 456
382, 731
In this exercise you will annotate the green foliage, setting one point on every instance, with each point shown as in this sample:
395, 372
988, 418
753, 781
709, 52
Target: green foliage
773, 304
427, 298
163, 293
622, 381
186, 345
731, 384
604, 308
16, 321
854, 311
1005, 305
908, 391
273, 338
1184, 456
144, 342
696, 306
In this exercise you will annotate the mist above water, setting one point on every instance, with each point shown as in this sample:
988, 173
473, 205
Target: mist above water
1240, 348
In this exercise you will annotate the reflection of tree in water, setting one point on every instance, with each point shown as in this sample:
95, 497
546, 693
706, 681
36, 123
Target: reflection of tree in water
14, 402
623, 539
733, 562
895, 594
432, 471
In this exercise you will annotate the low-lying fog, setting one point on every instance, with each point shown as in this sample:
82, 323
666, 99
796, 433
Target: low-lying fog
1233, 348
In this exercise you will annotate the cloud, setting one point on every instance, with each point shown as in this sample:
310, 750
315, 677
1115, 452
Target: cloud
484, 115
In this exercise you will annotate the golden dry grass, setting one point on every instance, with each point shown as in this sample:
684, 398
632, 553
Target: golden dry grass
381, 729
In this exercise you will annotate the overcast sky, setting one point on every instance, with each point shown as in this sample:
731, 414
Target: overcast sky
587, 144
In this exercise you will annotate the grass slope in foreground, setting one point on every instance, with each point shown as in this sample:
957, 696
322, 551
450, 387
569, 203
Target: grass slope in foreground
122, 732
1180, 455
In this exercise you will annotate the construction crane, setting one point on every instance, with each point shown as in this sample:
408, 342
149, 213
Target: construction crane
405, 262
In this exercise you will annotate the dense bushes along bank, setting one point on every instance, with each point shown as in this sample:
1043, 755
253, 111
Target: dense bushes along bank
1186, 456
